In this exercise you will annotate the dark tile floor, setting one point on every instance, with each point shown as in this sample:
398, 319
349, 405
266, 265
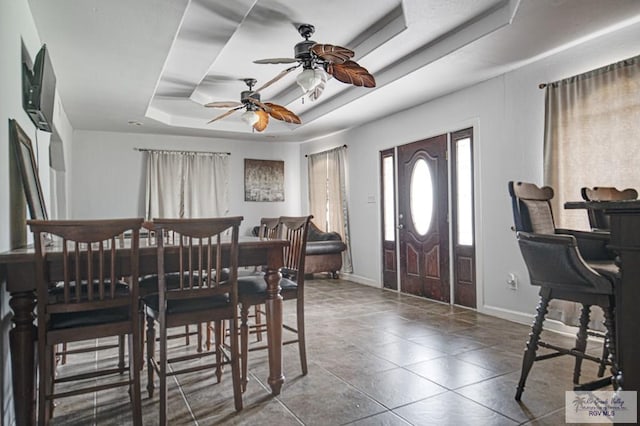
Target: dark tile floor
375, 358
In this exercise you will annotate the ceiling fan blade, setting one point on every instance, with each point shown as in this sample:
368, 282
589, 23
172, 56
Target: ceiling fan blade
351, 73
221, 116
228, 104
281, 113
331, 53
276, 61
277, 77
263, 120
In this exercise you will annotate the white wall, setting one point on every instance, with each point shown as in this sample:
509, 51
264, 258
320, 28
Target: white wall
507, 114
15, 23
108, 175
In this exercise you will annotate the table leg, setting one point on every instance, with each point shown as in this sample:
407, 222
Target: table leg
274, 329
22, 338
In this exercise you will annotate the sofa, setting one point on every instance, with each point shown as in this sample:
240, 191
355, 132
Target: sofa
324, 252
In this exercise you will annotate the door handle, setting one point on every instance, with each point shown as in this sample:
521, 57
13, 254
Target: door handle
400, 226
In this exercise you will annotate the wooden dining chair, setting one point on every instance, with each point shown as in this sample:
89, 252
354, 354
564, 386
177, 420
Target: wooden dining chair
269, 227
252, 290
148, 284
597, 219
203, 246
95, 297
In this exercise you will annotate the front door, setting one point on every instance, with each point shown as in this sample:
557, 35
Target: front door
422, 218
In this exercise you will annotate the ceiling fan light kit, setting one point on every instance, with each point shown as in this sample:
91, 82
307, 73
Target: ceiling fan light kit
250, 117
256, 112
310, 78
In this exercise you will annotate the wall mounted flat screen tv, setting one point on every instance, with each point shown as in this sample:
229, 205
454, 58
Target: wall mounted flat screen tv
38, 90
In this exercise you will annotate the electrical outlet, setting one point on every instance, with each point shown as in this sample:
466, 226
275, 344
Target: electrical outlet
512, 281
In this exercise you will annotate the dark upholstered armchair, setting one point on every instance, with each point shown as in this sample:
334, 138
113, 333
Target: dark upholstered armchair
323, 253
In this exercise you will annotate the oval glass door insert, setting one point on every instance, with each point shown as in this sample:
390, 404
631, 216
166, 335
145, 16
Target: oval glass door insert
421, 197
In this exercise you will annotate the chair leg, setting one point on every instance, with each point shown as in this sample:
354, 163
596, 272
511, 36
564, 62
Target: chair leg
45, 384
604, 358
186, 335
235, 364
207, 342
163, 373
121, 361
199, 333
135, 348
142, 331
610, 341
257, 310
244, 344
51, 356
581, 341
151, 340
63, 357
532, 344
218, 336
302, 345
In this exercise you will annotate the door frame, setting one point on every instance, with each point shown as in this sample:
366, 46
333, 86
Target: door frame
477, 213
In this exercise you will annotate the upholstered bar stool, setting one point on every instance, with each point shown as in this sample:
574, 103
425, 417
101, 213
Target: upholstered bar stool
539, 242
597, 219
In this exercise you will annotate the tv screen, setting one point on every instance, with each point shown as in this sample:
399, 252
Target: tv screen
39, 88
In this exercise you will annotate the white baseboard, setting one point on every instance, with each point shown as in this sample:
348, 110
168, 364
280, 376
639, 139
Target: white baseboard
527, 319
360, 280
507, 314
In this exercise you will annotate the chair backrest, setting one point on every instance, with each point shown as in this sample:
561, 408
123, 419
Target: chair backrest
532, 207
597, 218
269, 227
554, 261
88, 250
296, 230
204, 247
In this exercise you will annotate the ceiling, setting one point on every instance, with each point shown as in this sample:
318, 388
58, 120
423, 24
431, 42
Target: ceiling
150, 66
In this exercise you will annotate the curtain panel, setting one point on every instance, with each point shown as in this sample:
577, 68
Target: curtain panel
591, 135
328, 196
591, 139
186, 184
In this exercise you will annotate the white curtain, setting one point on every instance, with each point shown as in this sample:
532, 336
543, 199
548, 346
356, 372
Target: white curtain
328, 196
186, 184
591, 139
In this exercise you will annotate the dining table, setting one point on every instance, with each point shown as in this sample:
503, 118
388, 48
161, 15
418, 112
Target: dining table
18, 268
625, 243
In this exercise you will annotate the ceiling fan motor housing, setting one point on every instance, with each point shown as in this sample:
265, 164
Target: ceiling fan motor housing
302, 50
249, 94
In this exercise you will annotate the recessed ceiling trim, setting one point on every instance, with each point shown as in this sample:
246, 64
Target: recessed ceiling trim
485, 23
184, 70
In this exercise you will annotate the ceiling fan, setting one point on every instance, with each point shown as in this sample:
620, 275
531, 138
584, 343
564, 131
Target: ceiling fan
318, 60
257, 113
